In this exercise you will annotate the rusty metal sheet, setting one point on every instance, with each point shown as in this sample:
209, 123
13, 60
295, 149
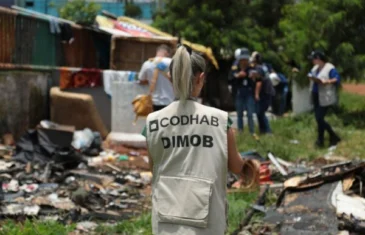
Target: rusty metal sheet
307, 212
27, 40
7, 35
81, 52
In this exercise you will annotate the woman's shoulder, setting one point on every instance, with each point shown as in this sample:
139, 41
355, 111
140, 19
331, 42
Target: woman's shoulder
330, 64
209, 109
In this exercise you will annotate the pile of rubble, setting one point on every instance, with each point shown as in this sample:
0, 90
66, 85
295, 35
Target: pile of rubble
315, 198
57, 173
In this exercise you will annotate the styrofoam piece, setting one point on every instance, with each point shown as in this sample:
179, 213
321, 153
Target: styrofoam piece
128, 139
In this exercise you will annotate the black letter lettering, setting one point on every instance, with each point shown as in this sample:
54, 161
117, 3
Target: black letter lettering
204, 119
207, 141
166, 142
177, 120
192, 119
214, 121
197, 142
173, 141
184, 120
167, 123
182, 141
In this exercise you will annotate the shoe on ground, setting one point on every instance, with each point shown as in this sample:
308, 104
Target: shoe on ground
319, 144
334, 141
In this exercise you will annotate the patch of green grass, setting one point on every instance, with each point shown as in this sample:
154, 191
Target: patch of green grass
29, 227
348, 120
238, 204
138, 226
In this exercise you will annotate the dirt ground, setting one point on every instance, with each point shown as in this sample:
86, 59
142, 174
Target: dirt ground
354, 88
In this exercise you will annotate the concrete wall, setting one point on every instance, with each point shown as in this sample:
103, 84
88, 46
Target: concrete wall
123, 93
23, 100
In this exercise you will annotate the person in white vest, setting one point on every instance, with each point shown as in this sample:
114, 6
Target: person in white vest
325, 81
191, 148
163, 94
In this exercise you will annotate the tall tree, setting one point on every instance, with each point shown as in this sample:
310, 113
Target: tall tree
212, 23
335, 26
225, 25
80, 11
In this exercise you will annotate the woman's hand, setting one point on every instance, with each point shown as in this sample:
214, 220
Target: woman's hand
250, 173
241, 74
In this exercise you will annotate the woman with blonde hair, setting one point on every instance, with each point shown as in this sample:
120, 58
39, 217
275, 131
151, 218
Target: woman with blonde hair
191, 148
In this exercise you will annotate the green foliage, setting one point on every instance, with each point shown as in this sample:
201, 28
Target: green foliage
335, 26
212, 23
282, 30
29, 227
238, 205
226, 26
139, 226
132, 10
80, 11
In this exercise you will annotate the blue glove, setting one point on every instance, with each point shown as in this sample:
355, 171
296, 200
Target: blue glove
161, 66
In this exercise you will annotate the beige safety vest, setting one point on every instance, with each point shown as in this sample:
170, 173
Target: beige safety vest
188, 145
327, 93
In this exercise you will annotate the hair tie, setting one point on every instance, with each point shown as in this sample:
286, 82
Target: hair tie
189, 49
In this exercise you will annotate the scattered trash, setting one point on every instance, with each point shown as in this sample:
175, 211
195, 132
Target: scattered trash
294, 141
123, 158
29, 188
126, 139
315, 199
8, 139
82, 139
86, 226
12, 186
46, 178
19, 209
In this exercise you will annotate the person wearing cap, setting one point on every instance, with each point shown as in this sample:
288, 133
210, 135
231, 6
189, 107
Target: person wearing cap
325, 81
243, 83
280, 83
264, 91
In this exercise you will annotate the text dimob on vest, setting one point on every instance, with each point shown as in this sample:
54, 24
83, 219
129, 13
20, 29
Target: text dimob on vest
188, 140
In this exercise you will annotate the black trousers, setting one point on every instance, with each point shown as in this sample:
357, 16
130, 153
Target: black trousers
322, 126
158, 107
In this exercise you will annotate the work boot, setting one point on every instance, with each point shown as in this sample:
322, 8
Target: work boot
319, 144
334, 140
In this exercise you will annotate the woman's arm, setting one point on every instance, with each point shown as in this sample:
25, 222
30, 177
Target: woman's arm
334, 77
247, 169
235, 162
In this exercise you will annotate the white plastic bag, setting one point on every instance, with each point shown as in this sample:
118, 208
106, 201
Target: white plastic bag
82, 139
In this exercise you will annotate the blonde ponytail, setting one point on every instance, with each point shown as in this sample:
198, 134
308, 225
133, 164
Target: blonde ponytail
181, 74
183, 68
